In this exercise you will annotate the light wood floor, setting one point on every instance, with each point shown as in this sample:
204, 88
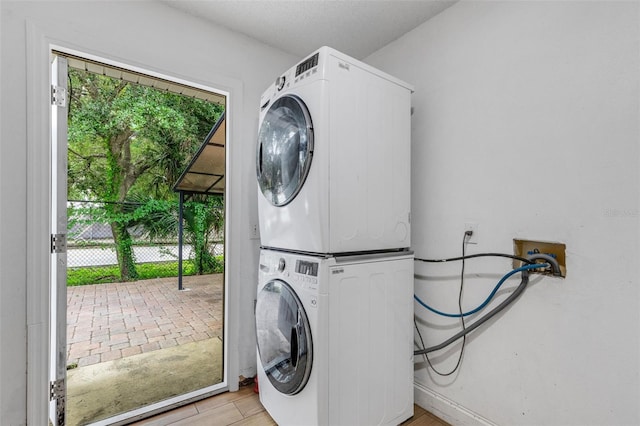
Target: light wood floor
244, 408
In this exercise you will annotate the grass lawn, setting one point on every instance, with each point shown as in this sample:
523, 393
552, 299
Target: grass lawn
110, 274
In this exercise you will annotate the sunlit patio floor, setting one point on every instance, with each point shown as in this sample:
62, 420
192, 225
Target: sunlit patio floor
106, 322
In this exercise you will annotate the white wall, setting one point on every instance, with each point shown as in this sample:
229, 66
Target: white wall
151, 36
527, 122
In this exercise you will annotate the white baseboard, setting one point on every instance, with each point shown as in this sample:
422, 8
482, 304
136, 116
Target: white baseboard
446, 409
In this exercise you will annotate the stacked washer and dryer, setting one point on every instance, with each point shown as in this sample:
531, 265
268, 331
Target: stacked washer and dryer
334, 308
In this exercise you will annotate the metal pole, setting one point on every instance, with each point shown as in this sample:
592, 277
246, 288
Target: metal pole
180, 229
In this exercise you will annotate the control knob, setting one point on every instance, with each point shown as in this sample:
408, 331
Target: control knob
281, 264
280, 82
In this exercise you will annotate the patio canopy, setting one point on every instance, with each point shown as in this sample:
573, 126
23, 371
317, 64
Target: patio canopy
135, 77
203, 175
205, 172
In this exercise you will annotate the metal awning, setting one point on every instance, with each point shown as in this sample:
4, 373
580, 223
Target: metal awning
135, 77
205, 173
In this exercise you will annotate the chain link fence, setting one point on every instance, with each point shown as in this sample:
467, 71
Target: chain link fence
91, 249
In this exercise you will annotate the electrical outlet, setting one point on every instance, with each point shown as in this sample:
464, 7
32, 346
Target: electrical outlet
473, 228
523, 248
254, 232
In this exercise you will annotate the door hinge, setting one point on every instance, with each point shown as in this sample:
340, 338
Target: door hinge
57, 393
58, 243
58, 96
56, 389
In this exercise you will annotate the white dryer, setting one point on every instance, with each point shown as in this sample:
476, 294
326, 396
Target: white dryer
335, 338
333, 158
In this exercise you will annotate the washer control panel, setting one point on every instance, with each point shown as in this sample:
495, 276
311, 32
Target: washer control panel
307, 273
304, 271
307, 268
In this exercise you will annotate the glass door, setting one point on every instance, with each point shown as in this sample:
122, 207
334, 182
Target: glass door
285, 346
285, 149
126, 348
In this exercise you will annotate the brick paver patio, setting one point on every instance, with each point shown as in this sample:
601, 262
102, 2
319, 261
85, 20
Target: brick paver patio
111, 321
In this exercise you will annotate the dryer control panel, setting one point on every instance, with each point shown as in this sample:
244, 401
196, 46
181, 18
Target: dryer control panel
307, 64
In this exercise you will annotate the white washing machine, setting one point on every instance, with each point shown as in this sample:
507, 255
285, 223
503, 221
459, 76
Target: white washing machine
333, 158
335, 338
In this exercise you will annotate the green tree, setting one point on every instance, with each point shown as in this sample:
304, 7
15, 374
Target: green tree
128, 141
203, 218
203, 222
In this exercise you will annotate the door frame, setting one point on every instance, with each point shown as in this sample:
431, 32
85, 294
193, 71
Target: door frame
39, 48
58, 272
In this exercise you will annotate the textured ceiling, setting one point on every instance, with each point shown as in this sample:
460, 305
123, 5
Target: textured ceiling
355, 27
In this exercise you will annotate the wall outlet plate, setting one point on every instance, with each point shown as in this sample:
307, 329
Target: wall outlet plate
473, 227
254, 231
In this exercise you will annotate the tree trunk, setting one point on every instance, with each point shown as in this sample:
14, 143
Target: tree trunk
124, 252
123, 176
200, 257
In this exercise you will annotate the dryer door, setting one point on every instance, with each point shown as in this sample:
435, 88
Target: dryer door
285, 149
284, 337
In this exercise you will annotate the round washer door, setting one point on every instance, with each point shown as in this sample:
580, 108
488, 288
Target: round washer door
285, 150
284, 337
